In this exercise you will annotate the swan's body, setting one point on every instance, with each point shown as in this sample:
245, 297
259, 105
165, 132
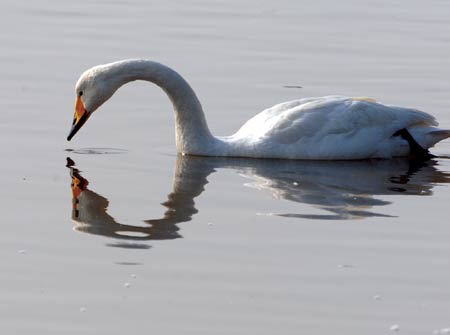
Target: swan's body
328, 128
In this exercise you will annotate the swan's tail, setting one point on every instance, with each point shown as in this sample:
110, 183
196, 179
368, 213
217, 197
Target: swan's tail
438, 135
428, 137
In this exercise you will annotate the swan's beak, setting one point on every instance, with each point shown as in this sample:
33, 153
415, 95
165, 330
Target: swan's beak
79, 118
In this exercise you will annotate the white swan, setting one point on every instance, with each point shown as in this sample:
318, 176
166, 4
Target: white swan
325, 128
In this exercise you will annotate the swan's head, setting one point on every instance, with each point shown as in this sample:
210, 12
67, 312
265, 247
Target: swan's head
94, 87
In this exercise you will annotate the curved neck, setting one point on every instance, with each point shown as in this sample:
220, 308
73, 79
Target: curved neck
191, 129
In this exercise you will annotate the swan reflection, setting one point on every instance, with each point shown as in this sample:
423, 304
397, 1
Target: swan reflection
343, 189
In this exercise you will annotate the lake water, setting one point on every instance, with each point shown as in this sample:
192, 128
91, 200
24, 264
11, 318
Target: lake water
145, 241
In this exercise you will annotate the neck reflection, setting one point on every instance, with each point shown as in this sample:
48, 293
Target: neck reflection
90, 209
345, 190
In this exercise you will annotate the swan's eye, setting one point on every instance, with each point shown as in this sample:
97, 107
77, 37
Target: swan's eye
80, 93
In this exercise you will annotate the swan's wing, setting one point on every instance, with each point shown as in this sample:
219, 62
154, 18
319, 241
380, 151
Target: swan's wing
316, 118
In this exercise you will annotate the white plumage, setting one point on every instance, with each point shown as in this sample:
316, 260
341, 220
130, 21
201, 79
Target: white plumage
334, 127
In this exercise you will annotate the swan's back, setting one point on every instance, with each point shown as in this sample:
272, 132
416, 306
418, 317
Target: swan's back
333, 127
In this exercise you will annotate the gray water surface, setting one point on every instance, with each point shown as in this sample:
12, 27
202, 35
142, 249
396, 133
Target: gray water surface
114, 233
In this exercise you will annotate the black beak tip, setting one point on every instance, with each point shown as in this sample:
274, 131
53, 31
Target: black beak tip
78, 125
72, 133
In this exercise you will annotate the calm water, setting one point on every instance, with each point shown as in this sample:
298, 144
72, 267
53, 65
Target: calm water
146, 241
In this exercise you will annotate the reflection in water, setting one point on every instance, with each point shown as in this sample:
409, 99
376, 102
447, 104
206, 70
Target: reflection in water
90, 209
346, 189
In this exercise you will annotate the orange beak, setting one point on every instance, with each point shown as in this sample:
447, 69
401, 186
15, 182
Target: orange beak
79, 118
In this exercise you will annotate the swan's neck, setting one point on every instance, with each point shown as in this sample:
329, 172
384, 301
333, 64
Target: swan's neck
191, 129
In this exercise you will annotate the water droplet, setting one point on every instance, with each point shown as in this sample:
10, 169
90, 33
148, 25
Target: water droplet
395, 328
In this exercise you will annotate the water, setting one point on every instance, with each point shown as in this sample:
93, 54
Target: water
156, 242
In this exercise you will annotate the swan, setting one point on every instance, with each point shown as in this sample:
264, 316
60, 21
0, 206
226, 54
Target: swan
319, 128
